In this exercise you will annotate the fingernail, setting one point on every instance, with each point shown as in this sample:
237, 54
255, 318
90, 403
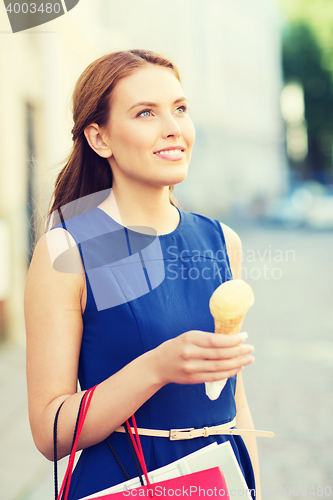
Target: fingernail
243, 335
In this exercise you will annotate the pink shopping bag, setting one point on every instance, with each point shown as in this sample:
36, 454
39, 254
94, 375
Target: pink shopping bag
206, 483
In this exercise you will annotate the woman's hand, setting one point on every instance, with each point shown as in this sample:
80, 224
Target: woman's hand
196, 357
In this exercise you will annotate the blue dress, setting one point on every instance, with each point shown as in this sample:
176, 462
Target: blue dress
141, 291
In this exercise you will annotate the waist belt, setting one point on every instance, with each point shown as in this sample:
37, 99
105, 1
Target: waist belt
190, 433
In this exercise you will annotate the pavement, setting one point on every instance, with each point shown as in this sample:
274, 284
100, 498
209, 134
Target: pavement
289, 387
24, 473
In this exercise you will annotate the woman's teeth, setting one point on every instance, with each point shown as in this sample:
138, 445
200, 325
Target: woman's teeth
170, 152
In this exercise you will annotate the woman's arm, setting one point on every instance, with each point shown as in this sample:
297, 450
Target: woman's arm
53, 311
243, 415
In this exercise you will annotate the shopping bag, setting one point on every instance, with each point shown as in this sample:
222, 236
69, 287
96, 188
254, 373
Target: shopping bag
208, 482
210, 456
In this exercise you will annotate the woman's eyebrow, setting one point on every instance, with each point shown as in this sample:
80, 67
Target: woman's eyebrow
153, 104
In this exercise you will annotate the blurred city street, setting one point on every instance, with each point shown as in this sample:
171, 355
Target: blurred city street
289, 387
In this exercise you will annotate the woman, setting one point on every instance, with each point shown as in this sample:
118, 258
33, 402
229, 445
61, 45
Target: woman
148, 344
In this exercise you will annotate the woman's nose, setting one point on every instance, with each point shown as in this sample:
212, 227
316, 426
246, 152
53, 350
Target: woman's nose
171, 128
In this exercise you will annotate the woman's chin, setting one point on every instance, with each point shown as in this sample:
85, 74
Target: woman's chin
178, 177
178, 180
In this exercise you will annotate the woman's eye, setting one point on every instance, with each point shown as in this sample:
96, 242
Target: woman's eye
181, 110
148, 112
145, 112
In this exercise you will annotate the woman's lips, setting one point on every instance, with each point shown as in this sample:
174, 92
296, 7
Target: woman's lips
171, 154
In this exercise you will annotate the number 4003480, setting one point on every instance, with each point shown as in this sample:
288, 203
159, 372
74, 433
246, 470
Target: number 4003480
31, 8
319, 491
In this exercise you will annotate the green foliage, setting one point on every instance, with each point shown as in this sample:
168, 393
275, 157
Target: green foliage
303, 61
318, 15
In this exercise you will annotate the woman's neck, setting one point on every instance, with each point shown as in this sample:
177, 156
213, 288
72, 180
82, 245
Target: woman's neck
148, 207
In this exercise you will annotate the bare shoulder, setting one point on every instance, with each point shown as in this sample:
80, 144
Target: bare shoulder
58, 250
56, 268
232, 239
63, 251
234, 250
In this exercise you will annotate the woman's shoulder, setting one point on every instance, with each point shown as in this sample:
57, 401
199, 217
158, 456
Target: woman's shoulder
55, 254
55, 279
234, 250
230, 239
230, 236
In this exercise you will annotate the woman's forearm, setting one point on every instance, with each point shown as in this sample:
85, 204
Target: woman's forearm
114, 401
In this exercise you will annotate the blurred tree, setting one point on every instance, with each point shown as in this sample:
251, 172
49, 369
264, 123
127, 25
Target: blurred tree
302, 62
307, 49
318, 14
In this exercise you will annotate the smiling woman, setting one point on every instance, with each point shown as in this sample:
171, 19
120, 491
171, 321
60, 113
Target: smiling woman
102, 305
160, 138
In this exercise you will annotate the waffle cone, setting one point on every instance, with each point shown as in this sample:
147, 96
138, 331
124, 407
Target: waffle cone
229, 326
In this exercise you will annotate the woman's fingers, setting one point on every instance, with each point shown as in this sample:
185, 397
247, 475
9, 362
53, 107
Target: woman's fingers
217, 365
220, 353
216, 376
200, 371
203, 345
208, 339
209, 357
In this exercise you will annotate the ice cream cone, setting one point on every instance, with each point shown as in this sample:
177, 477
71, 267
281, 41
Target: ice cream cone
229, 326
228, 305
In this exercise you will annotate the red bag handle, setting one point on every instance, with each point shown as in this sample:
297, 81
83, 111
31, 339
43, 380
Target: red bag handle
138, 448
64, 490
68, 474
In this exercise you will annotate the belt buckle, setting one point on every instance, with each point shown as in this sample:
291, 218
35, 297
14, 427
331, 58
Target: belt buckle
184, 434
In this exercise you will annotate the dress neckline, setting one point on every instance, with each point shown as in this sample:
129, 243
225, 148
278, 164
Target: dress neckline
172, 233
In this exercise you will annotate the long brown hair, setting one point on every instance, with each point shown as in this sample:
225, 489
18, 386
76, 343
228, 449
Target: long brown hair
86, 172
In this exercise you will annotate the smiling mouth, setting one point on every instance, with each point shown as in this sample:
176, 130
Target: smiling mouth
170, 152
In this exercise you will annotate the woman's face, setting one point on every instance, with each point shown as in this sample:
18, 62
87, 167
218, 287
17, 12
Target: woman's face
149, 131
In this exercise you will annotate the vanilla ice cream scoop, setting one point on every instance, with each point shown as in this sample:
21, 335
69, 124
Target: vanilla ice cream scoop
229, 305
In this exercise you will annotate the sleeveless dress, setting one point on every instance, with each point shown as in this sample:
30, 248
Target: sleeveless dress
141, 291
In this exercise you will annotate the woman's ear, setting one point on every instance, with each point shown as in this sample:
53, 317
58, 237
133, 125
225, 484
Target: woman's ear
96, 142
